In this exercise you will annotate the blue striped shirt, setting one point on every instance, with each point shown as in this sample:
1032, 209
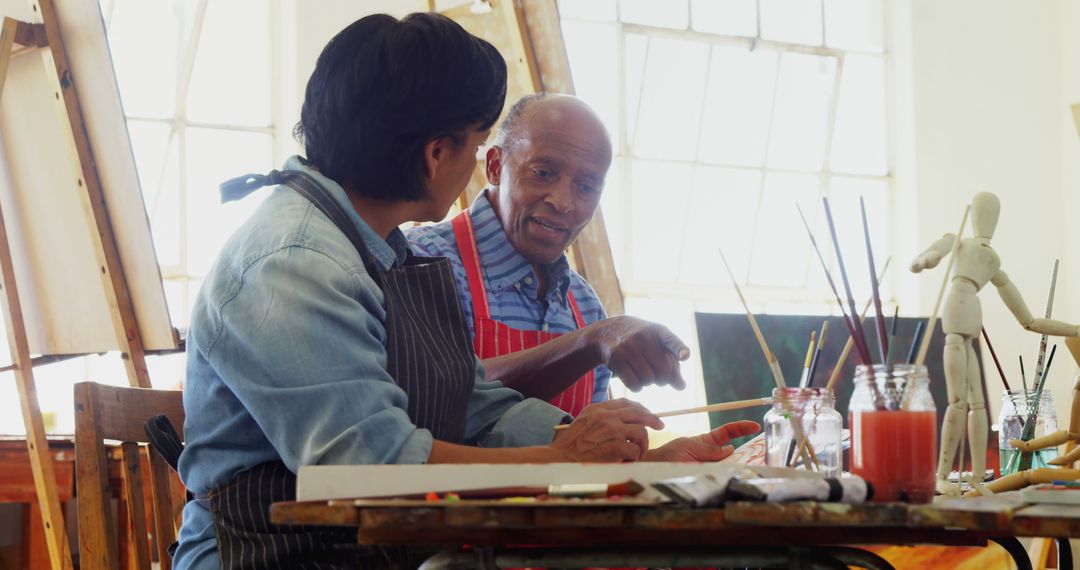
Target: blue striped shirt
510, 282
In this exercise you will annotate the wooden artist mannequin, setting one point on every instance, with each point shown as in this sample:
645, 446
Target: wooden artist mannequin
976, 265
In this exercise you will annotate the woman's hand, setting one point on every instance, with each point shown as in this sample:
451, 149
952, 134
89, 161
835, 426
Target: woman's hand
711, 446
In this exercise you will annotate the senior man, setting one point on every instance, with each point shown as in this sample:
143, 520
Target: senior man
536, 324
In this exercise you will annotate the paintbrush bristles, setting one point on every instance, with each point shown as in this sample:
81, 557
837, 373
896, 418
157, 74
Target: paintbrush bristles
769, 357
883, 339
932, 321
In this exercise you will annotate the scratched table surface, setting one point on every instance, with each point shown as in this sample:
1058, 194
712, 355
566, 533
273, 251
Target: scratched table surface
969, 521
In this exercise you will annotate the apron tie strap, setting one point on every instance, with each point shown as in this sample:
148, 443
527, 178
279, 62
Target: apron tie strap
239, 187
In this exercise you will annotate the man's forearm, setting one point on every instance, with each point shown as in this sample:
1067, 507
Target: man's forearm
545, 371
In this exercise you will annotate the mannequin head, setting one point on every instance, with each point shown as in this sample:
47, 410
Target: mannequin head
985, 208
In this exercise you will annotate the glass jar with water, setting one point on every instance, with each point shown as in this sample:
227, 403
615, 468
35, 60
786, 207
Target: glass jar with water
1025, 415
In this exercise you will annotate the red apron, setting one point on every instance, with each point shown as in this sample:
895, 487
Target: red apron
496, 339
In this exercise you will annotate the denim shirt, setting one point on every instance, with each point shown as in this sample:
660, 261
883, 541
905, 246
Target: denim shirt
287, 361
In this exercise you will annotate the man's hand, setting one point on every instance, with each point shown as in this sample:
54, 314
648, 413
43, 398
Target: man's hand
640, 352
611, 431
711, 446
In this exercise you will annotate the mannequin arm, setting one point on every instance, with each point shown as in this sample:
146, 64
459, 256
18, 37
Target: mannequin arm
933, 254
1011, 296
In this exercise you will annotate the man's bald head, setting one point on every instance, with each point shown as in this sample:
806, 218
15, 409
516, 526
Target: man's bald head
516, 126
547, 168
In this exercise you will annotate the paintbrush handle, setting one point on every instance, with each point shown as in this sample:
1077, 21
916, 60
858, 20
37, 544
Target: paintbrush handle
721, 407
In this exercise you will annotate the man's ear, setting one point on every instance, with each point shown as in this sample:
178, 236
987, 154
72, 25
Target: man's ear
493, 166
435, 150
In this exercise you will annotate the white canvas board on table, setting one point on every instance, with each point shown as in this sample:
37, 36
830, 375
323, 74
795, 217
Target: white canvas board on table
325, 482
57, 272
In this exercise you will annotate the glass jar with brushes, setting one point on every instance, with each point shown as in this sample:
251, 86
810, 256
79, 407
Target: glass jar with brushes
814, 437
894, 438
1025, 415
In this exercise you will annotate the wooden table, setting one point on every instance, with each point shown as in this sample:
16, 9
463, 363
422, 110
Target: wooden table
629, 533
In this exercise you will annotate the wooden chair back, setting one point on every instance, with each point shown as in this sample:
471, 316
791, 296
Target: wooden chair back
104, 412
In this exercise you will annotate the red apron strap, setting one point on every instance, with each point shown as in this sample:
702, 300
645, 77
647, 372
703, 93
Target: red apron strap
466, 242
574, 307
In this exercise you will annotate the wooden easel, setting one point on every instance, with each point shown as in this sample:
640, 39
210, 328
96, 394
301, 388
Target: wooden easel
31, 37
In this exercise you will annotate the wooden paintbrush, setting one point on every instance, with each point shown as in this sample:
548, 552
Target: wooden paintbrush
883, 341
806, 451
817, 354
849, 322
809, 358
860, 334
1049, 311
915, 338
774, 366
851, 340
721, 407
997, 363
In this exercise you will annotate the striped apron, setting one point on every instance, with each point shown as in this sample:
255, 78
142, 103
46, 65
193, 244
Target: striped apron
427, 354
494, 338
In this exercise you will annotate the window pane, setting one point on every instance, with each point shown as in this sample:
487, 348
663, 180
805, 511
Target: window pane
796, 21
213, 157
721, 214
844, 196
603, 10
737, 106
781, 249
635, 51
176, 297
157, 159
670, 114
800, 118
167, 371
733, 17
143, 46
230, 83
859, 142
592, 49
660, 193
855, 24
665, 13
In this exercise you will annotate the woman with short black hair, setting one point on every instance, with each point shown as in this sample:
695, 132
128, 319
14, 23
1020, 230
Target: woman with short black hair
318, 338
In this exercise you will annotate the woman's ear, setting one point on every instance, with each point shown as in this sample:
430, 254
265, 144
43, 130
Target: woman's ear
493, 166
435, 151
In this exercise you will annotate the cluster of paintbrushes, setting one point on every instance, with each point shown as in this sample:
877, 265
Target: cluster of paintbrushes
854, 321
1042, 370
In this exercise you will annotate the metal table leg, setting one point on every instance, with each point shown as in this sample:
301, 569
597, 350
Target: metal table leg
1019, 555
1064, 548
859, 557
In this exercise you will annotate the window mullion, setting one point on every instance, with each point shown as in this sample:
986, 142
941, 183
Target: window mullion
765, 172
187, 62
